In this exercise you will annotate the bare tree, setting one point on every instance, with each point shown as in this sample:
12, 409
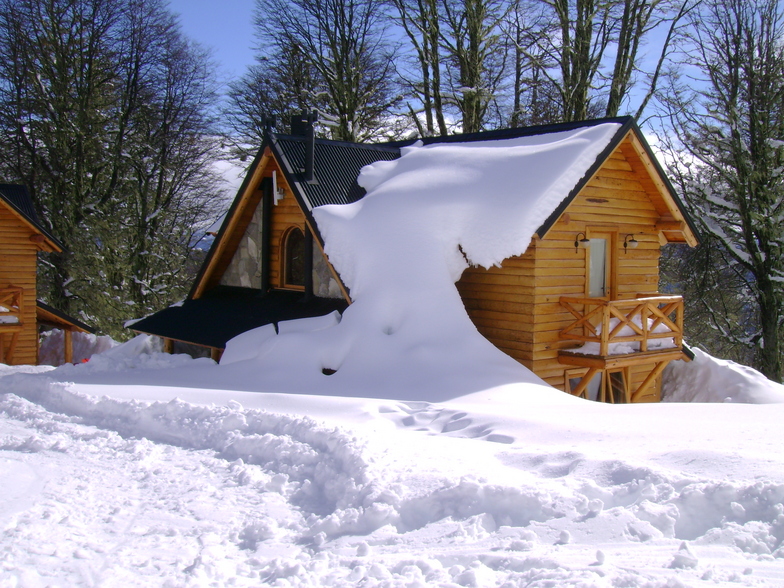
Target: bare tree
583, 36
344, 42
730, 128
421, 22
103, 112
535, 98
278, 86
471, 40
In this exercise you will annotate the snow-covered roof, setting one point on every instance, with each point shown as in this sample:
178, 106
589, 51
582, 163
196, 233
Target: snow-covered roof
491, 195
550, 166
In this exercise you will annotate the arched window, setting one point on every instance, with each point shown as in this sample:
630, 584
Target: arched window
294, 258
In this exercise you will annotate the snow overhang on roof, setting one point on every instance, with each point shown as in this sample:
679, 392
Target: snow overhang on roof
498, 188
543, 170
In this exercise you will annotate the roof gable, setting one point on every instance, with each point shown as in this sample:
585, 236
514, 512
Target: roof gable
631, 142
17, 199
338, 165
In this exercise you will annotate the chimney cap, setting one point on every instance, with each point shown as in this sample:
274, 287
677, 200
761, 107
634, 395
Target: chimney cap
301, 124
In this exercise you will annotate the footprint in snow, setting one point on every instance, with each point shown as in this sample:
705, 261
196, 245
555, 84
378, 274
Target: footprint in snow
429, 418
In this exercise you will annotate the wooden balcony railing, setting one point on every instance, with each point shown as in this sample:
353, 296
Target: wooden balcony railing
613, 327
10, 320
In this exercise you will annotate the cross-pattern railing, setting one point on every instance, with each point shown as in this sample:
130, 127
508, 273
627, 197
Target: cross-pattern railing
10, 320
624, 326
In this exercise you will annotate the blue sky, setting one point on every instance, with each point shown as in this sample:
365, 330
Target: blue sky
225, 26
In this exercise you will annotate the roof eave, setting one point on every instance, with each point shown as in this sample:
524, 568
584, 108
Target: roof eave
48, 242
629, 124
61, 318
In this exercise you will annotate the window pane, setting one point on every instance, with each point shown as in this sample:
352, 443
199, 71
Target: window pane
295, 258
597, 286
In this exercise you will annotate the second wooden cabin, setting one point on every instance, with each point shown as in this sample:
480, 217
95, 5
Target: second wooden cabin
580, 307
22, 315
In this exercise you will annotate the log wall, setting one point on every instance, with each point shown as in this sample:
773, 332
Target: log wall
18, 266
517, 306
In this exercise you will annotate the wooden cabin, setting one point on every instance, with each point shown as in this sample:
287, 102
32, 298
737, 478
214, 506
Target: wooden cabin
580, 308
22, 236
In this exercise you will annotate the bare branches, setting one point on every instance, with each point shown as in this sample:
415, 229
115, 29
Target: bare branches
104, 116
729, 130
343, 47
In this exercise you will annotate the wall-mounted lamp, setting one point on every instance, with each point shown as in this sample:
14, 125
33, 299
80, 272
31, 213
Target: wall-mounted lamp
585, 242
629, 243
277, 191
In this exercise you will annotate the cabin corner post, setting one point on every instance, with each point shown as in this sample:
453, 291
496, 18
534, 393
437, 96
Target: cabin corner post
68, 345
308, 278
266, 224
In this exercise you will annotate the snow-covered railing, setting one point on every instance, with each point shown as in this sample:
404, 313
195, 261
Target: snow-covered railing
613, 327
10, 305
10, 320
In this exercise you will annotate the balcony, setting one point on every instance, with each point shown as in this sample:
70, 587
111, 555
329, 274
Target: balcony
10, 321
612, 327
612, 335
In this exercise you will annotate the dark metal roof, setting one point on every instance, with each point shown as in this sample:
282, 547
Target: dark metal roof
60, 318
18, 198
516, 132
225, 312
336, 169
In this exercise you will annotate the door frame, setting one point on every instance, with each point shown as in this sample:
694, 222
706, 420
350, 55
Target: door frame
611, 261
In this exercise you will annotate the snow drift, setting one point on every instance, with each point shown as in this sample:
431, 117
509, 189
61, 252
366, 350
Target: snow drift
401, 248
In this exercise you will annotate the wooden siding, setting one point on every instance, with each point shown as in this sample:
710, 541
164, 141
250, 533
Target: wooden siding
501, 303
517, 306
613, 201
18, 265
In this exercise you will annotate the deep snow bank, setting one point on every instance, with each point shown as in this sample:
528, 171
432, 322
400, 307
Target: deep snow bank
85, 345
122, 492
400, 250
709, 379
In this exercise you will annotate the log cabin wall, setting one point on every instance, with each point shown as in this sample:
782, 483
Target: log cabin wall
501, 301
18, 265
517, 306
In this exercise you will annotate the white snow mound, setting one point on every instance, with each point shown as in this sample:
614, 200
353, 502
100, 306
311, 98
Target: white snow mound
709, 379
401, 249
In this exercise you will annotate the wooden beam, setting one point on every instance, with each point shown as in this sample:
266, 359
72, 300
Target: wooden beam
68, 345
657, 369
671, 225
618, 361
586, 379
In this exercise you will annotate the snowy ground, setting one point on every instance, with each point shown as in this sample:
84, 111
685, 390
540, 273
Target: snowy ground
110, 480
143, 469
